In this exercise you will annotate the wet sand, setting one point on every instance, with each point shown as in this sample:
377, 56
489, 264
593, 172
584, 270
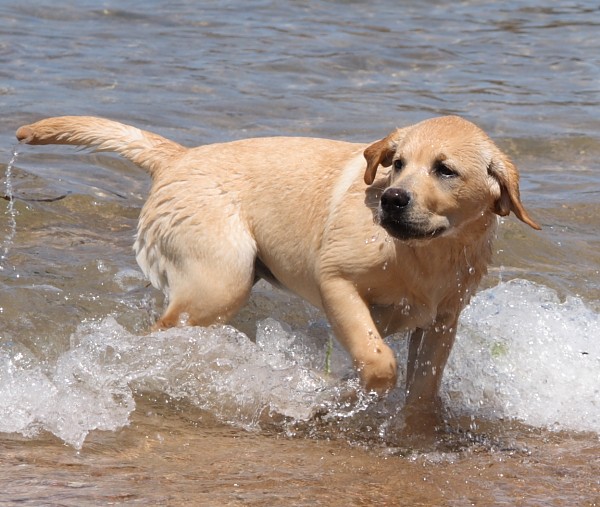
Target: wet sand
179, 456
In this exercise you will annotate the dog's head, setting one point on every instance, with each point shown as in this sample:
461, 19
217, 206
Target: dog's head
446, 173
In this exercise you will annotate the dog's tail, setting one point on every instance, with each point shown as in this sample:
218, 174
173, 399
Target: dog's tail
145, 149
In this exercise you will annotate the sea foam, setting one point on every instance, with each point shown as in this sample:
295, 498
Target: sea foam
521, 353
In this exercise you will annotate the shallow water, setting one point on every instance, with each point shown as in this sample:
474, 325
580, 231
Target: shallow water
94, 411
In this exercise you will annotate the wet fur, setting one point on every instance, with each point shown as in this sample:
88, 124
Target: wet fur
308, 214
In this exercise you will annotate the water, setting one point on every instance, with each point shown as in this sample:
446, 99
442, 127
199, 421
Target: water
93, 410
10, 212
516, 328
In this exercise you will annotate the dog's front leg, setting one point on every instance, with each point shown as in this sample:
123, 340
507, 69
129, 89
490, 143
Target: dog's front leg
353, 326
428, 353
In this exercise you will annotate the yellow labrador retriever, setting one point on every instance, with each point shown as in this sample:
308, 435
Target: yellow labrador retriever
405, 250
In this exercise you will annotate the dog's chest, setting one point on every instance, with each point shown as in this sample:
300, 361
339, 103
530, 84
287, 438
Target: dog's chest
417, 294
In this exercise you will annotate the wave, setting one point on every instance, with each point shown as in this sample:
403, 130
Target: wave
521, 353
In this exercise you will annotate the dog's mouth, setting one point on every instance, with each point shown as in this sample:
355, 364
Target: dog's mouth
404, 230
402, 217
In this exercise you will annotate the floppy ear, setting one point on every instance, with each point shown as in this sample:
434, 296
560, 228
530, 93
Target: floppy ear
506, 176
380, 153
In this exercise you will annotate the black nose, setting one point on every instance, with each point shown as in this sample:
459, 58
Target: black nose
394, 199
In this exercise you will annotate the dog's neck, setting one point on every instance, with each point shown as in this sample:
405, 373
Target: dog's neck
454, 268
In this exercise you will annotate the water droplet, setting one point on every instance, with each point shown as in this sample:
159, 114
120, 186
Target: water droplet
11, 212
184, 319
101, 266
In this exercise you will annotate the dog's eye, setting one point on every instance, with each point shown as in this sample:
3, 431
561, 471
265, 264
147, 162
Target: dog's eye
398, 164
442, 169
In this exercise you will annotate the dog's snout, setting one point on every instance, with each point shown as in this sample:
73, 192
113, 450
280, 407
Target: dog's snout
395, 199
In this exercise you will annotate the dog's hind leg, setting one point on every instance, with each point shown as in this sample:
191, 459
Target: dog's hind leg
207, 275
202, 297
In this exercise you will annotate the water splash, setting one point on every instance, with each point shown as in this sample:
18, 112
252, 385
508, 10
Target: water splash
525, 354
10, 212
521, 353
92, 385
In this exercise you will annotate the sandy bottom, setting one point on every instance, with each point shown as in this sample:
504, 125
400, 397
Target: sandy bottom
180, 457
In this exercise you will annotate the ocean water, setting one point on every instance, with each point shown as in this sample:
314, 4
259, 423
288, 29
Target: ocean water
81, 378
521, 353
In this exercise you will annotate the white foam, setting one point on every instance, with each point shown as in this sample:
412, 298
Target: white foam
219, 369
520, 353
524, 354
68, 399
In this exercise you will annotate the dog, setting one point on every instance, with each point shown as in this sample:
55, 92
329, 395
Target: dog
383, 237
